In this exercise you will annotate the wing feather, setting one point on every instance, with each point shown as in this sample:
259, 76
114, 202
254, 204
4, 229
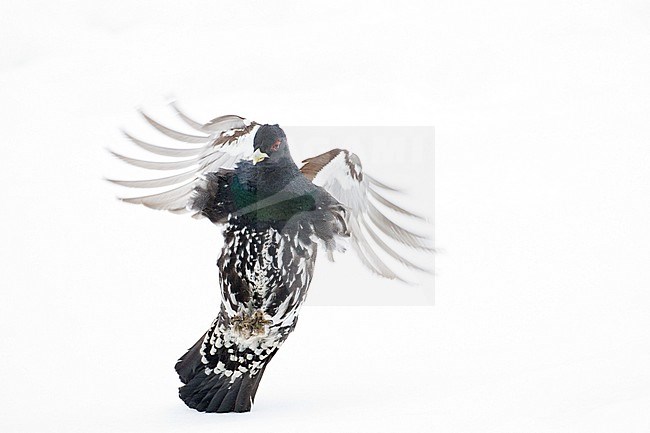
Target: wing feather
164, 151
227, 140
371, 257
157, 165
198, 126
394, 254
381, 184
171, 199
225, 123
372, 232
180, 136
383, 200
395, 231
155, 183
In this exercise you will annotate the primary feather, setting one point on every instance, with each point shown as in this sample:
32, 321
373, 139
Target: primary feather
341, 174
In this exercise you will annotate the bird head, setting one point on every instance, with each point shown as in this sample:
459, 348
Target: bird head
270, 144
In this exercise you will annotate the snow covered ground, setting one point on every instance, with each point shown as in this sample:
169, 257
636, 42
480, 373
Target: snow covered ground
541, 319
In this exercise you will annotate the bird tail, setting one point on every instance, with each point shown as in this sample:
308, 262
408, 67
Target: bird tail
207, 390
190, 363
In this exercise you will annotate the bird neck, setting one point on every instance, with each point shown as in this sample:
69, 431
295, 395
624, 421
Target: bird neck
268, 176
282, 167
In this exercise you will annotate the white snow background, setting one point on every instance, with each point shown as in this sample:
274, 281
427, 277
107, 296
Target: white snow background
541, 320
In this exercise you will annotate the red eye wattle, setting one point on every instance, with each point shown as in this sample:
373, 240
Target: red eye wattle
276, 145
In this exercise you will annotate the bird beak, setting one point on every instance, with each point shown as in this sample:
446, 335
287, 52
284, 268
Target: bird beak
258, 156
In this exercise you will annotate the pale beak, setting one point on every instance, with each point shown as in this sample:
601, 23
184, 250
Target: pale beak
258, 156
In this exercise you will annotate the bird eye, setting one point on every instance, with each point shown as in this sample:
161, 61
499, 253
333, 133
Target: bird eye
276, 145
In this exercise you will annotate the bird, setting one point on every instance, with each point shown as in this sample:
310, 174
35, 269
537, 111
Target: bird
275, 217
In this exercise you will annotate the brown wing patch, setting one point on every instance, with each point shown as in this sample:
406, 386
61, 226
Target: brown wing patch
354, 165
314, 165
225, 139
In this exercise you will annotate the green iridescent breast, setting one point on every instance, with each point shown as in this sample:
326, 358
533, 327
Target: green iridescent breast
277, 207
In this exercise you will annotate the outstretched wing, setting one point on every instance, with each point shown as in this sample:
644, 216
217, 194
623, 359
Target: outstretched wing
340, 173
220, 144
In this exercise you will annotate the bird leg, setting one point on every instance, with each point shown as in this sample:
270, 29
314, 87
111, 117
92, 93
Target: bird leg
250, 325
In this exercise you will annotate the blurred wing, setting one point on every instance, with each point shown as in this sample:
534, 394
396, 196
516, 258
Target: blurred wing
340, 173
220, 144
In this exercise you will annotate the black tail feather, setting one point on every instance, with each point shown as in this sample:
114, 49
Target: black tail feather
246, 395
216, 399
212, 393
207, 391
190, 363
258, 377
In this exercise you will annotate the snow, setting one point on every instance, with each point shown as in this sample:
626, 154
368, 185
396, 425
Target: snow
540, 321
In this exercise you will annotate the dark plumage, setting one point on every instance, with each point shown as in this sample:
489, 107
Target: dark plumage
271, 212
275, 217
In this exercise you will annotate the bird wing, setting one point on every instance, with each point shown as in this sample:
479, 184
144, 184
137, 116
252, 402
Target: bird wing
340, 173
220, 144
